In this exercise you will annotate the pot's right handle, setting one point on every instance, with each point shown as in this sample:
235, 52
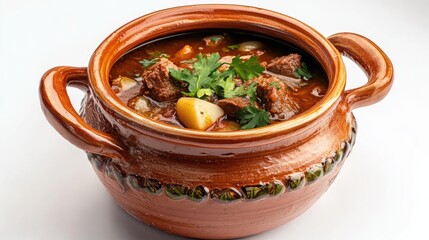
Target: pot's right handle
373, 61
61, 115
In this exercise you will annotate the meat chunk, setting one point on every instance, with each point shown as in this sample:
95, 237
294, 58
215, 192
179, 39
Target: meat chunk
276, 98
214, 40
285, 65
157, 84
232, 105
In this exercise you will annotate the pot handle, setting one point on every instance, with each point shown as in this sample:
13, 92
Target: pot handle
63, 117
373, 61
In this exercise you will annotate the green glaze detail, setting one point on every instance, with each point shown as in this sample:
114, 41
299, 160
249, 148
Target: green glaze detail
134, 181
327, 165
255, 192
152, 186
226, 195
96, 160
117, 174
176, 191
109, 172
275, 188
292, 181
338, 156
295, 181
198, 193
313, 173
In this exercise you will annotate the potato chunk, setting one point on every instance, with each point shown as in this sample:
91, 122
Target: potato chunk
185, 52
197, 114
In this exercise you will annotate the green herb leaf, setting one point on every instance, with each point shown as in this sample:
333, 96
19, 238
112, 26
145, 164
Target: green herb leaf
147, 63
248, 69
215, 39
204, 73
226, 88
251, 92
303, 72
274, 84
233, 47
156, 54
251, 117
204, 92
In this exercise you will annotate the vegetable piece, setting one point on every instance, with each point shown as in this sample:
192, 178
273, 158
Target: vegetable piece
124, 83
203, 74
185, 52
197, 114
303, 72
251, 117
249, 46
140, 104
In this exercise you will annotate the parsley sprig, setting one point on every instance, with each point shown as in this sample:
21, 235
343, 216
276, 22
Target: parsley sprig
156, 55
245, 70
303, 72
200, 78
251, 117
205, 79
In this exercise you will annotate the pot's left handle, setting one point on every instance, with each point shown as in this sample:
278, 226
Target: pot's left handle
63, 117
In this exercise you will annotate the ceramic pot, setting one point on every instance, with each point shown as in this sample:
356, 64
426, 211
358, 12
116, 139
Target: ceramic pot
213, 184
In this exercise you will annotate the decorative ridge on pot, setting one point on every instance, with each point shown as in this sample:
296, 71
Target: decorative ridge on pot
216, 185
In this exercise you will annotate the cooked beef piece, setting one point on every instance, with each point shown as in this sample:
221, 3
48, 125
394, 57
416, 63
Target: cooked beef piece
232, 105
214, 40
285, 65
276, 98
157, 84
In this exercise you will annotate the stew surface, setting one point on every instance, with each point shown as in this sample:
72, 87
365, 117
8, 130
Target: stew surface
218, 81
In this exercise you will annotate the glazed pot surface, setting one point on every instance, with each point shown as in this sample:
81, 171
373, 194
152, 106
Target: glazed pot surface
215, 185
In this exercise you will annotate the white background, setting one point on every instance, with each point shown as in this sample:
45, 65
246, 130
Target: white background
48, 189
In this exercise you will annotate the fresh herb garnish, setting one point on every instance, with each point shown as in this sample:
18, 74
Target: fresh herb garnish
274, 84
199, 80
226, 88
205, 78
156, 55
147, 63
248, 69
303, 72
233, 47
250, 117
215, 39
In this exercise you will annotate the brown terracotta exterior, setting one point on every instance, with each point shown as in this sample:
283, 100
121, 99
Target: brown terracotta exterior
135, 146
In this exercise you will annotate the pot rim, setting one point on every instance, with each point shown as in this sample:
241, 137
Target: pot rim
205, 16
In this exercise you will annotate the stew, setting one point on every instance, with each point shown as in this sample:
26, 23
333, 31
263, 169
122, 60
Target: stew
218, 81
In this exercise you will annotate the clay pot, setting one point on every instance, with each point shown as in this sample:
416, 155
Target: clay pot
214, 184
